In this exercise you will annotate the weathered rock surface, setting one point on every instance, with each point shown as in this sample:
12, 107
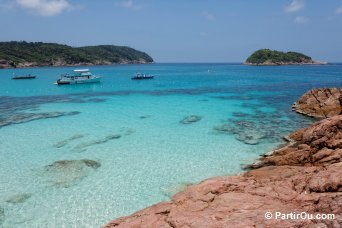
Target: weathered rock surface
304, 176
324, 102
318, 145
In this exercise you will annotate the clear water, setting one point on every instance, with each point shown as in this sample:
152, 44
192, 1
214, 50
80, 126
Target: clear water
156, 155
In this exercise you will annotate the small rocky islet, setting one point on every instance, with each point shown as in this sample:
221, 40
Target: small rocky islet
302, 176
267, 57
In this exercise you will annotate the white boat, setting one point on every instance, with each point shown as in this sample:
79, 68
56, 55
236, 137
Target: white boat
80, 76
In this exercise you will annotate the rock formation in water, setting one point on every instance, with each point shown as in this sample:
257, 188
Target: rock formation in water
303, 176
324, 102
267, 57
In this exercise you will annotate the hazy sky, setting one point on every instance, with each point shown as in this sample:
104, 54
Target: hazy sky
181, 31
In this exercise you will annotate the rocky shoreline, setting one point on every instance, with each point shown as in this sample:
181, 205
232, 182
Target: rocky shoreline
4, 64
302, 178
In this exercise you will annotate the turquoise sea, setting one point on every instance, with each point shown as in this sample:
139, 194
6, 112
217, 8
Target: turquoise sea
122, 145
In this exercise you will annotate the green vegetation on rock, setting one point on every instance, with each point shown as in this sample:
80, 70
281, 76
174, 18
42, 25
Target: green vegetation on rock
270, 57
24, 54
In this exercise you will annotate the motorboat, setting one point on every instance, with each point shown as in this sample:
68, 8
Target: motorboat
79, 76
139, 76
28, 76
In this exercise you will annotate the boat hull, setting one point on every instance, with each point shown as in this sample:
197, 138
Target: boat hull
24, 77
71, 82
142, 78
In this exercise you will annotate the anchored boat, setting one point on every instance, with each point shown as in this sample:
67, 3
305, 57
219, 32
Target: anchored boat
139, 76
80, 76
28, 76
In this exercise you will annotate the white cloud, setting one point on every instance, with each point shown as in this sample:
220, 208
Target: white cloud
302, 20
208, 16
45, 7
339, 10
129, 4
295, 6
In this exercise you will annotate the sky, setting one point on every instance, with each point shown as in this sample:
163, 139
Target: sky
181, 30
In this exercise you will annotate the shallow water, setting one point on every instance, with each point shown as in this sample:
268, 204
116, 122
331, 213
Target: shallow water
134, 130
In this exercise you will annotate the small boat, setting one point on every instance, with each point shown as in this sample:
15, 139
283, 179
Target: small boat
28, 76
80, 76
139, 76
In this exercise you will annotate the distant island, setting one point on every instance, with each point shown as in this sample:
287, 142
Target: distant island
267, 57
35, 54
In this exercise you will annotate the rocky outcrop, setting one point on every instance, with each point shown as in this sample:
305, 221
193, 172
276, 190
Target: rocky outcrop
304, 176
318, 145
324, 103
6, 64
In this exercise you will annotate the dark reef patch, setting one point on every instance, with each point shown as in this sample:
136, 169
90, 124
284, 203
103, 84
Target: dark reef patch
260, 126
239, 114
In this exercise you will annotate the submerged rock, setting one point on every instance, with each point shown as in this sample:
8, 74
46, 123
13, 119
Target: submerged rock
250, 136
127, 131
190, 119
240, 114
82, 147
2, 215
244, 131
66, 141
66, 173
320, 103
19, 198
145, 116
225, 128
19, 118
